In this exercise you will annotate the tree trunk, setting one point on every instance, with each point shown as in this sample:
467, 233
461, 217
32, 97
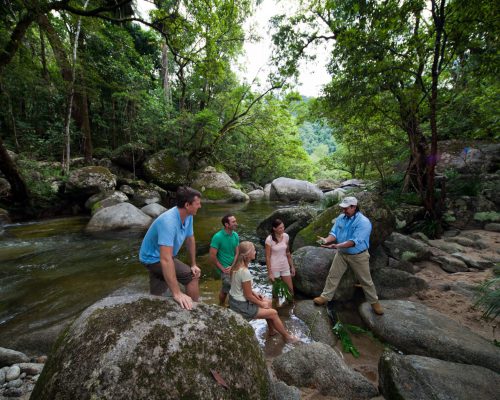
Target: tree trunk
20, 192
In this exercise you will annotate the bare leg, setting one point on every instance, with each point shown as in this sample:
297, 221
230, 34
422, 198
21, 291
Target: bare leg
272, 315
222, 298
288, 281
193, 289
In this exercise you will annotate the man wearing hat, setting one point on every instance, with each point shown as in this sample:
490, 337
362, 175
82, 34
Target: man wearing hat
350, 235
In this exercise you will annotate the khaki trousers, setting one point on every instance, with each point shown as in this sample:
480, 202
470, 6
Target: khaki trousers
360, 264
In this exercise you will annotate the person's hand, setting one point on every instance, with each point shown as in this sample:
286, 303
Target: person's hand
226, 270
321, 240
329, 246
292, 271
271, 277
184, 300
196, 271
266, 304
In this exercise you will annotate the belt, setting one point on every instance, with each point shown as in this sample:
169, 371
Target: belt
355, 254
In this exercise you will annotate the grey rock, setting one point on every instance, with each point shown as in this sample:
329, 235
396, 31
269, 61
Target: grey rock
299, 217
416, 329
406, 214
16, 383
145, 196
31, 368
13, 373
118, 217
414, 377
312, 265
256, 195
334, 196
267, 191
147, 347
130, 155
449, 263
447, 247
5, 189
401, 265
127, 190
318, 365
290, 190
13, 392
2, 376
317, 320
4, 217
473, 261
378, 259
284, 392
87, 181
167, 171
9, 357
405, 248
326, 185
217, 187
492, 226
352, 183
153, 210
462, 241
396, 284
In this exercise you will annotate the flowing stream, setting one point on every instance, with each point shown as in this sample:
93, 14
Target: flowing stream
52, 270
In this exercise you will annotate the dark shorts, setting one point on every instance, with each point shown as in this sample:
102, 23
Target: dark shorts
246, 309
157, 284
226, 283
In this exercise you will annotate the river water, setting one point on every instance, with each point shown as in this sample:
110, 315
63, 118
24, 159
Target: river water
52, 270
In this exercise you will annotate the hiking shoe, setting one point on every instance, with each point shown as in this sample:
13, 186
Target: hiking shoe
320, 301
377, 308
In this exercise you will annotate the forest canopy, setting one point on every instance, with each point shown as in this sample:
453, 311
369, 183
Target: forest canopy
84, 77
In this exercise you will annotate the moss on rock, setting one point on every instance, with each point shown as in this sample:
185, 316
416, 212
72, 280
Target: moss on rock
148, 347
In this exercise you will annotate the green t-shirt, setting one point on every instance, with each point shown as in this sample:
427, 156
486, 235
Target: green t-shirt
226, 247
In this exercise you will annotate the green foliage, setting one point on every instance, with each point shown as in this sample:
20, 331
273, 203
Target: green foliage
408, 256
280, 290
342, 332
490, 216
488, 296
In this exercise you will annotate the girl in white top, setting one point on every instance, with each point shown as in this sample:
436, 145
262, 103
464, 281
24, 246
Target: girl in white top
278, 258
243, 300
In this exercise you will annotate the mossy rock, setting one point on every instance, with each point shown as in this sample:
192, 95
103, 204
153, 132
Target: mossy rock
90, 180
131, 155
371, 205
147, 347
166, 171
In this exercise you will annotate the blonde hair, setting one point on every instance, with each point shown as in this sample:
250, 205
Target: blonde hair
242, 260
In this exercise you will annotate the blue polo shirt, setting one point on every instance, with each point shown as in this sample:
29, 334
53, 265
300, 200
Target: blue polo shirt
166, 230
356, 228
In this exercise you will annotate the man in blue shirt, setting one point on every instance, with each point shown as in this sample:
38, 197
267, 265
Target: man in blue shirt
161, 244
351, 232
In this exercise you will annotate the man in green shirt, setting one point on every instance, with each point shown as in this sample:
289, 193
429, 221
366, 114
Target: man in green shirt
223, 251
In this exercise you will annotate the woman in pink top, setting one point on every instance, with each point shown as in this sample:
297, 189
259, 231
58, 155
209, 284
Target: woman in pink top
278, 258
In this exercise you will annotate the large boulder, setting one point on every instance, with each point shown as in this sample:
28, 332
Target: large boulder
319, 366
294, 218
118, 217
87, 181
467, 157
217, 187
406, 248
312, 265
414, 328
396, 284
317, 320
154, 210
371, 205
166, 171
147, 347
130, 155
423, 378
287, 190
